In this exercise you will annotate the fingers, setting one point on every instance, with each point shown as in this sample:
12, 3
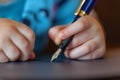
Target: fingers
30, 41
98, 53
3, 57
53, 34
77, 27
16, 41
12, 53
82, 50
27, 32
81, 38
57, 34
22, 44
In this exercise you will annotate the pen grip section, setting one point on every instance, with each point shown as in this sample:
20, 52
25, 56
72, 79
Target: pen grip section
65, 43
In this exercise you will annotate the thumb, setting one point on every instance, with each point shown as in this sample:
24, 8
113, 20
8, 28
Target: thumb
53, 34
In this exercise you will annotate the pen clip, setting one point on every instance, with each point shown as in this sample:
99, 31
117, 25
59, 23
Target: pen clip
79, 8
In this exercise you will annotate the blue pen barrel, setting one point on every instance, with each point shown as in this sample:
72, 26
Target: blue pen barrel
88, 5
86, 8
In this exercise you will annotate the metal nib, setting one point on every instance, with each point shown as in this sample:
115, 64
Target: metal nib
56, 54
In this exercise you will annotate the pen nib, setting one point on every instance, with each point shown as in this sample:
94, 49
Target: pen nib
56, 54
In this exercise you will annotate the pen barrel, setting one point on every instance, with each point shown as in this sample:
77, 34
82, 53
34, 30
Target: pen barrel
88, 5
65, 43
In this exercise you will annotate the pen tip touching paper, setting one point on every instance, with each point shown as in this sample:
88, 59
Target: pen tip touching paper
56, 54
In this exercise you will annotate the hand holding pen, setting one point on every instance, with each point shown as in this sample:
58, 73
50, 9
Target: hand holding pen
83, 39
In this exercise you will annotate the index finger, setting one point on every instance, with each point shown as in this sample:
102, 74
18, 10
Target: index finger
81, 24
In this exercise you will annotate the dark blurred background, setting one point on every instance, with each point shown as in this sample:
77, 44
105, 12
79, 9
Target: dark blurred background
109, 14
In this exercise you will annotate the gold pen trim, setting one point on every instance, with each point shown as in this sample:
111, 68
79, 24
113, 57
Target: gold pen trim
79, 8
82, 13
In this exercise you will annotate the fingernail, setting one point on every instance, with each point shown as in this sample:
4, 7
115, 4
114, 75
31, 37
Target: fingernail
58, 40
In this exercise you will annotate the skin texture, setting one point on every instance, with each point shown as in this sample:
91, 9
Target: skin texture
88, 41
16, 41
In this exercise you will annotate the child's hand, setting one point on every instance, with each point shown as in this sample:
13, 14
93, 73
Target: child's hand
16, 41
88, 41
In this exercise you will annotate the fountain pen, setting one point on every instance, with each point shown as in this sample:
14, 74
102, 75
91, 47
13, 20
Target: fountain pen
83, 10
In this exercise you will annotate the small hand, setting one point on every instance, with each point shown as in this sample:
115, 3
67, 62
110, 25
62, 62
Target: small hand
16, 41
88, 41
